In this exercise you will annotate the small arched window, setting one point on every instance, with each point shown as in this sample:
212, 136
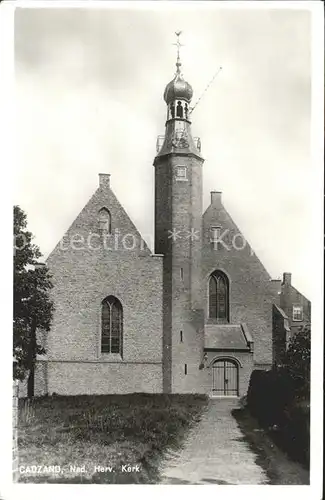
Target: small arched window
179, 109
104, 219
219, 297
112, 326
186, 111
172, 110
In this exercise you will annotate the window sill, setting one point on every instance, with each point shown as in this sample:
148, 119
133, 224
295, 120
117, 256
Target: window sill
213, 321
110, 357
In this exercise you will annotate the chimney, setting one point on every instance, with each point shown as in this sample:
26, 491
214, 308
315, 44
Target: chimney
287, 278
216, 198
104, 180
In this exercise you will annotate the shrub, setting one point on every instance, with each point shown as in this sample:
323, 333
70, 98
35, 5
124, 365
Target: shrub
294, 434
271, 399
269, 393
297, 361
254, 391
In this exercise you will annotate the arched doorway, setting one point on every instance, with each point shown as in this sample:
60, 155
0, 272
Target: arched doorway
225, 378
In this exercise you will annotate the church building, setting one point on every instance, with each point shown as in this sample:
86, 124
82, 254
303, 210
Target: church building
195, 316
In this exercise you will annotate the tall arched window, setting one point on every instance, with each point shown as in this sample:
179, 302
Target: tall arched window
104, 219
112, 326
219, 297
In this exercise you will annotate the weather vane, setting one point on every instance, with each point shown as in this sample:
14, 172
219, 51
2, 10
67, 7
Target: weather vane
178, 45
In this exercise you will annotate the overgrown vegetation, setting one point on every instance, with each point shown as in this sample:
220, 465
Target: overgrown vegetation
272, 400
280, 469
297, 362
279, 399
112, 430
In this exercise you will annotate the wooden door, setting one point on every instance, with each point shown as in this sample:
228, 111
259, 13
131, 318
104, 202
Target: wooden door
225, 378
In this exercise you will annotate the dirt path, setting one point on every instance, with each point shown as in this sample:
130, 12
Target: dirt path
215, 452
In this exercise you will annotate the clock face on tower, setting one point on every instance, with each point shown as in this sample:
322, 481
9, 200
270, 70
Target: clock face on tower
180, 140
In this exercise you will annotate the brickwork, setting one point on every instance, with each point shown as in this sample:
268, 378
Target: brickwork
15, 461
179, 208
164, 297
71, 378
280, 335
163, 222
83, 275
252, 292
189, 352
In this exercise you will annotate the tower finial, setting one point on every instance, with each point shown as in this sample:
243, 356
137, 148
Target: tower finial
178, 45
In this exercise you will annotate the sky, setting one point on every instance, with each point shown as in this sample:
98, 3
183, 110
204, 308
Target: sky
89, 87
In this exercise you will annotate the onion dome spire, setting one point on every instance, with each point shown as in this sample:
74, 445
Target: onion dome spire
178, 136
178, 88
178, 45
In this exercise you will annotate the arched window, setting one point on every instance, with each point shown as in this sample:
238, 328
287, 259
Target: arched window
104, 220
186, 111
219, 297
179, 109
172, 109
112, 326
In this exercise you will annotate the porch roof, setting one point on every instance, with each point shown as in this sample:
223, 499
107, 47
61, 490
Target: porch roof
227, 337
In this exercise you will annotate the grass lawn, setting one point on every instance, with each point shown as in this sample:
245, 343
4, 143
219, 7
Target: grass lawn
277, 465
102, 431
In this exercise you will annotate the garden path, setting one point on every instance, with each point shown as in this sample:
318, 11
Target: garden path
215, 452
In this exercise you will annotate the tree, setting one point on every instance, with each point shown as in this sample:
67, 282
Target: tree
33, 308
297, 359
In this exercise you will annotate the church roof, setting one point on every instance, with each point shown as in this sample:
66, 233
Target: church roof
227, 337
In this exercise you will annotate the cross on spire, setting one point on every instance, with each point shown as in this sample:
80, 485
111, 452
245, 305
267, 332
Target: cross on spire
178, 45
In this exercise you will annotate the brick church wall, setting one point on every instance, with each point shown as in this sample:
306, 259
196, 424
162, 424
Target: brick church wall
252, 292
101, 377
82, 278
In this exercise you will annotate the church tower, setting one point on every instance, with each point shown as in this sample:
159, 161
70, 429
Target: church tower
178, 228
